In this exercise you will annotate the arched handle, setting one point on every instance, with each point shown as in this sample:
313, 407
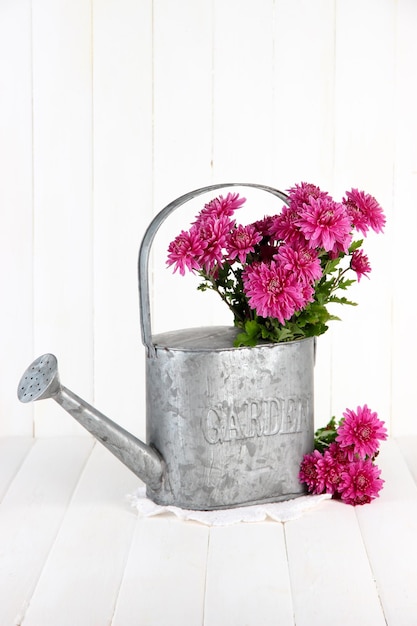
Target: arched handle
143, 262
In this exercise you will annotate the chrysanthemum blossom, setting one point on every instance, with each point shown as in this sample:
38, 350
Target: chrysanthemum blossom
303, 261
214, 231
264, 225
359, 263
360, 482
364, 211
325, 224
220, 207
308, 472
241, 241
272, 291
284, 227
185, 250
329, 473
302, 193
360, 432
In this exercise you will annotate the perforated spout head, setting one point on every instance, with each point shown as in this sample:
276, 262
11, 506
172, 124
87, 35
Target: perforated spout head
40, 380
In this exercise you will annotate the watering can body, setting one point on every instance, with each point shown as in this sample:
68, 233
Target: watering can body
232, 424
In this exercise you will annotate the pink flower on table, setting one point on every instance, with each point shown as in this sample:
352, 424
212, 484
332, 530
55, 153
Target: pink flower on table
272, 291
361, 432
360, 482
214, 231
308, 472
338, 453
364, 211
325, 224
185, 250
241, 241
220, 207
329, 472
303, 261
359, 263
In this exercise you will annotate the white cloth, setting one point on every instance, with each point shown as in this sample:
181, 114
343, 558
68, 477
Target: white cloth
279, 511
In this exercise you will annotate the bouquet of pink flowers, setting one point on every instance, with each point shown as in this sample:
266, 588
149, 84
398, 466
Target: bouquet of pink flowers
278, 275
342, 462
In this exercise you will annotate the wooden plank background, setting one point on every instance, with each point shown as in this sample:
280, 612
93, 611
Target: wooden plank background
109, 109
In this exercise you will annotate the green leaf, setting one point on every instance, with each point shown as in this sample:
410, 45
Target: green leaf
355, 245
331, 266
342, 300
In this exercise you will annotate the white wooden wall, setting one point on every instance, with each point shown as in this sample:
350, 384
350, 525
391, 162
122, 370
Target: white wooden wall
109, 109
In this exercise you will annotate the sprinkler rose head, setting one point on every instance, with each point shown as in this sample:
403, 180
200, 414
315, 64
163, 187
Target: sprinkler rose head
40, 380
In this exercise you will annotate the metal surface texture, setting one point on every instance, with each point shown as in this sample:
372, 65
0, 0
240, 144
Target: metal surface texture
231, 423
226, 426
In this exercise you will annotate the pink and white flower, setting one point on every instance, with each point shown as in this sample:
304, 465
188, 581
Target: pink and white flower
359, 263
272, 291
364, 211
325, 224
361, 432
360, 482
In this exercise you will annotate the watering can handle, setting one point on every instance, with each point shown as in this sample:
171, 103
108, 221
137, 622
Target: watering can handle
143, 263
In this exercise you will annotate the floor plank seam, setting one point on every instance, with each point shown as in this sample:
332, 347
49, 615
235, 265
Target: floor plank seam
375, 582
284, 524
205, 578
123, 576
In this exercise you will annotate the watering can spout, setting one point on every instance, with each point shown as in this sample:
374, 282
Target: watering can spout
41, 381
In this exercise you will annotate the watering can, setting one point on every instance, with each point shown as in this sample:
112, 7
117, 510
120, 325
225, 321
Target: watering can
225, 426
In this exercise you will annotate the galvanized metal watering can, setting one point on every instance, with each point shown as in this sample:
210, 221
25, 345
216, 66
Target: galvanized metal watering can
225, 426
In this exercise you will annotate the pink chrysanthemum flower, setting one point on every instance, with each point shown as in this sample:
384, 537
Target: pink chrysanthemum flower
264, 225
361, 432
308, 472
364, 211
303, 261
302, 193
325, 224
360, 482
284, 227
241, 241
214, 231
272, 291
329, 472
359, 263
220, 207
185, 250
338, 453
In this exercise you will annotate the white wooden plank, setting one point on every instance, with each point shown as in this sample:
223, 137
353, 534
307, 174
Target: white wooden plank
329, 569
30, 516
16, 245
81, 578
165, 575
404, 343
13, 451
247, 577
408, 448
303, 83
62, 118
389, 530
242, 91
364, 158
122, 82
182, 144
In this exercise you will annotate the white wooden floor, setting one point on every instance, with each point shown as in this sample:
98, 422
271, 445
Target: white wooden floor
73, 552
